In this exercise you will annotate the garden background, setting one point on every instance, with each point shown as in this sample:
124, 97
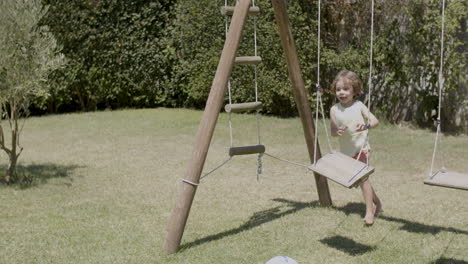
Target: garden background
138, 54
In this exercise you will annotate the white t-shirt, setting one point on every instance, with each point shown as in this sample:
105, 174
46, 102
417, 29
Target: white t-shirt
351, 141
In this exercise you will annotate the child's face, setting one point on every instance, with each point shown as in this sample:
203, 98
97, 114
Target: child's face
344, 91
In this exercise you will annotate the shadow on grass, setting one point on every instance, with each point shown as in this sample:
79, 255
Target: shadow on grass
36, 174
257, 219
449, 261
347, 245
414, 227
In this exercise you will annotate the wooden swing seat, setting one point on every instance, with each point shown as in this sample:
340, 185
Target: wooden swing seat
449, 179
341, 169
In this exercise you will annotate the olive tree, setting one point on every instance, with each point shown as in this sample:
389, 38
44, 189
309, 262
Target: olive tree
28, 52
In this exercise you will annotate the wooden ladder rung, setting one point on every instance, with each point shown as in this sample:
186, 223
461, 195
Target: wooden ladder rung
246, 150
243, 107
248, 60
229, 10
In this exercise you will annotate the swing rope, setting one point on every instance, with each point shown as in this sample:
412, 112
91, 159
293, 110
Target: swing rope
369, 83
287, 161
319, 102
317, 85
441, 86
216, 168
267, 154
257, 114
226, 27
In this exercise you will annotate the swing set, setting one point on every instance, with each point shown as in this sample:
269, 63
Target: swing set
335, 166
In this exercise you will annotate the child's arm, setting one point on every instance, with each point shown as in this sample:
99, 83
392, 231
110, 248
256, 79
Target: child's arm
335, 130
372, 122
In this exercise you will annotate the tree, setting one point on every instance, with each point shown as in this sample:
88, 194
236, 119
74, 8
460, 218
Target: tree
28, 52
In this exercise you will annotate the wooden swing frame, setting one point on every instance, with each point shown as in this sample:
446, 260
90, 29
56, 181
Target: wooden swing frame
189, 184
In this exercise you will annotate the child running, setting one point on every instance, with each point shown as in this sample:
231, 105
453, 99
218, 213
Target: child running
348, 122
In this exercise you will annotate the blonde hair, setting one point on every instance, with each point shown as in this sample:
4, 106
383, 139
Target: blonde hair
351, 77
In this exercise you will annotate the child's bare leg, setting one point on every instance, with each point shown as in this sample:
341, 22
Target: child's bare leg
368, 194
377, 202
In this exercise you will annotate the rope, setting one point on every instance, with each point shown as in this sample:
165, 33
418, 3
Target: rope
318, 42
287, 161
259, 168
216, 168
371, 54
229, 81
317, 85
369, 82
230, 117
257, 115
316, 125
441, 86
259, 165
319, 102
325, 126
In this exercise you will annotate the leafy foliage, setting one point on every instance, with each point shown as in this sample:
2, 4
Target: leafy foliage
165, 53
409, 61
200, 31
118, 50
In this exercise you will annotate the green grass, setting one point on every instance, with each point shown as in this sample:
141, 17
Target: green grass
104, 185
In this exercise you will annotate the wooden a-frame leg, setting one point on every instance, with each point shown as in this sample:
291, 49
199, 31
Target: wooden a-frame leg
300, 94
187, 191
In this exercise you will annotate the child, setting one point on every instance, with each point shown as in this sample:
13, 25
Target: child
348, 121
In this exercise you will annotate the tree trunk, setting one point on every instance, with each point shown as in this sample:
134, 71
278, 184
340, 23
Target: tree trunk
80, 98
13, 155
11, 168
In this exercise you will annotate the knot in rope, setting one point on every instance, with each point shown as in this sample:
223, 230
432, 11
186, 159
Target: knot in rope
259, 165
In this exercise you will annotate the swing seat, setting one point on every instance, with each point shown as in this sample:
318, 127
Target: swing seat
341, 169
449, 179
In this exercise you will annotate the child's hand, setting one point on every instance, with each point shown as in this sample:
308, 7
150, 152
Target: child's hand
341, 130
361, 127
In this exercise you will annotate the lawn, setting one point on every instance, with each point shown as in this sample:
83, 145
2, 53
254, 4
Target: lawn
104, 184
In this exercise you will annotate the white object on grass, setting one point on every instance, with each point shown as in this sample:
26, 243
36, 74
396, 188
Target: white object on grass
281, 260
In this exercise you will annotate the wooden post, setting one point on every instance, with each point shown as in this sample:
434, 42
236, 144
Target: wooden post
187, 187
300, 94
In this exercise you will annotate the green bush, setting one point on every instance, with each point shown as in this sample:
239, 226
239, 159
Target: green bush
119, 54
